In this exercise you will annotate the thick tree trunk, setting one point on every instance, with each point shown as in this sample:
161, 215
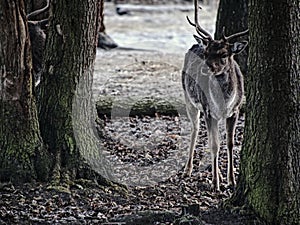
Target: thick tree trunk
270, 161
22, 155
66, 111
233, 15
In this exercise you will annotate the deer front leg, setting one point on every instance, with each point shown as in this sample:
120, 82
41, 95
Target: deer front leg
230, 129
193, 114
213, 141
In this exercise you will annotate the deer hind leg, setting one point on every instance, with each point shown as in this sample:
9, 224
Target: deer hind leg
213, 141
193, 114
230, 129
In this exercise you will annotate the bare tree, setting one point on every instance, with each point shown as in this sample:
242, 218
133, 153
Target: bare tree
104, 40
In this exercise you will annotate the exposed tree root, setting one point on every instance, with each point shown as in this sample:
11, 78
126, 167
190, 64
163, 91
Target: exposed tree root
62, 179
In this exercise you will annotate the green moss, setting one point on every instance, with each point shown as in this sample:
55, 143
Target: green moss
59, 188
70, 143
188, 220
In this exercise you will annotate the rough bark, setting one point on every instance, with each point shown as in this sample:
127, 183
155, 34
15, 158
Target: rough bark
22, 155
66, 110
101, 19
233, 15
269, 172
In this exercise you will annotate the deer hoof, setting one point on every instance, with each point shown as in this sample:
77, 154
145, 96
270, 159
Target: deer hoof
220, 176
187, 172
231, 184
231, 187
215, 186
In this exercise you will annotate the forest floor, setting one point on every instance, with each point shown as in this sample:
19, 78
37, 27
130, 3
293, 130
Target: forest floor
148, 63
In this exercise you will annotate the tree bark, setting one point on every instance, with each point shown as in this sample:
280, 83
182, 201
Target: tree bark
233, 15
22, 154
66, 110
270, 170
101, 19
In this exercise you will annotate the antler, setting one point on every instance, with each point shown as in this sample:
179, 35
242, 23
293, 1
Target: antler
203, 33
233, 35
34, 13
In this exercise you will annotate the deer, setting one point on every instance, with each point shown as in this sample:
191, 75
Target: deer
38, 39
213, 84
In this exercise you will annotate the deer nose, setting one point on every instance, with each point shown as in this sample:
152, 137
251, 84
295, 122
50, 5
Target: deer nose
212, 66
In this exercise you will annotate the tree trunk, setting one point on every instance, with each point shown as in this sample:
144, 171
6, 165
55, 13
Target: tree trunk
22, 155
270, 160
66, 110
101, 19
233, 15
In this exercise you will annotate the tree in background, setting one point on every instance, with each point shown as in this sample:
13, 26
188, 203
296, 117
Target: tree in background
104, 40
270, 160
233, 15
22, 153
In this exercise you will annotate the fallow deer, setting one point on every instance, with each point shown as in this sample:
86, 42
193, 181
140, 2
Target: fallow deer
38, 40
213, 83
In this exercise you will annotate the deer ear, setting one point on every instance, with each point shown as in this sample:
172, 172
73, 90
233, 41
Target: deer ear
200, 40
238, 47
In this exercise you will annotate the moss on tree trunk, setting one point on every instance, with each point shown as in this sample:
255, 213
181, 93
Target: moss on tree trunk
22, 153
148, 106
66, 110
269, 171
110, 106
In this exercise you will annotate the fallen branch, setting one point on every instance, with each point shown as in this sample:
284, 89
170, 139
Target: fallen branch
133, 106
110, 106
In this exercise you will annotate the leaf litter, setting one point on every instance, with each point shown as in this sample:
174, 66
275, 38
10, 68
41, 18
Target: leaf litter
36, 204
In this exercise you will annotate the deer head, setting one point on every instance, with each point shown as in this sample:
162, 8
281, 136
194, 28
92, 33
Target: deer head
218, 54
38, 39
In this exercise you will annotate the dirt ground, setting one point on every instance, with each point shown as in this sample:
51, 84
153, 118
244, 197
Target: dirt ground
152, 45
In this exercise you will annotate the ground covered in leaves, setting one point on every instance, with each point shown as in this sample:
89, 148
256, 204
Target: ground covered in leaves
175, 198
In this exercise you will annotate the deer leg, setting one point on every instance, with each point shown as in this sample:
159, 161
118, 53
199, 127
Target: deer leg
213, 141
230, 129
193, 114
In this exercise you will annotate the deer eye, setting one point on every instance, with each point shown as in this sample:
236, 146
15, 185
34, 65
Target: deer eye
223, 61
225, 55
